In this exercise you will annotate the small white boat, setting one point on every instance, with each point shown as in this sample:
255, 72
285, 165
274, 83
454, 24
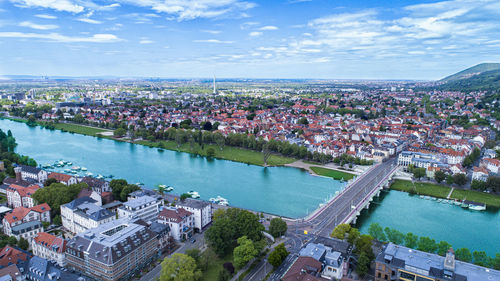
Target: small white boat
421, 197
99, 176
223, 203
75, 168
162, 186
477, 207
89, 174
212, 200
169, 188
457, 203
83, 169
194, 194
440, 200
427, 197
69, 163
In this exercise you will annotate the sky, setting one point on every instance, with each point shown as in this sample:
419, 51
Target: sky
323, 39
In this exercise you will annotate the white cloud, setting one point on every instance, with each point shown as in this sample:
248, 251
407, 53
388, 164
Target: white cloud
255, 33
91, 21
96, 38
211, 31
38, 26
58, 5
146, 41
269, 27
216, 41
45, 16
192, 9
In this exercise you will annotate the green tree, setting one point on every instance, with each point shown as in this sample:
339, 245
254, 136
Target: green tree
210, 152
12, 241
463, 254
277, 227
184, 196
49, 181
480, 258
340, 231
363, 266
23, 244
278, 255
303, 121
179, 267
58, 194
31, 120
495, 262
427, 244
377, 232
244, 252
439, 176
224, 275
120, 132
419, 173
411, 240
442, 248
195, 254
353, 235
449, 179
394, 235
460, 179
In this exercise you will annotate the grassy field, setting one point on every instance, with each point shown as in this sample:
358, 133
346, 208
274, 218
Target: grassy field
79, 129
421, 188
338, 175
441, 191
481, 197
213, 270
227, 153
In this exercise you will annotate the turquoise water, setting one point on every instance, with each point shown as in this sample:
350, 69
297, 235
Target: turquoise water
478, 231
278, 190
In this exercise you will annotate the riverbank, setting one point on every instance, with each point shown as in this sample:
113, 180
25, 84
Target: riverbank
324, 171
235, 154
441, 191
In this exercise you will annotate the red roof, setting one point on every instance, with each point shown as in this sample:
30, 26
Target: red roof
42, 208
17, 214
59, 177
24, 191
176, 215
51, 242
9, 255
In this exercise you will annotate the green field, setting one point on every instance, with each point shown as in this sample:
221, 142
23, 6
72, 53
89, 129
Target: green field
338, 175
228, 153
214, 268
79, 129
421, 188
481, 197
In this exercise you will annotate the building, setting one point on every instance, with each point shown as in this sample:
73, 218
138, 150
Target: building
49, 247
11, 273
202, 212
112, 251
304, 269
165, 241
420, 160
34, 173
63, 178
180, 222
26, 222
96, 185
332, 261
40, 269
144, 207
491, 164
401, 263
82, 214
19, 196
480, 174
12, 256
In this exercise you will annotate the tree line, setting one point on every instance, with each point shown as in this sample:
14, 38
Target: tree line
9, 157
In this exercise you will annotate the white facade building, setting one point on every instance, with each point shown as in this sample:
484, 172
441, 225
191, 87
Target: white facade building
144, 207
49, 247
82, 214
202, 212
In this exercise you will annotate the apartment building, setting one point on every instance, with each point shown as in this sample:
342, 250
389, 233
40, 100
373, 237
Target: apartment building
82, 214
202, 212
144, 207
49, 247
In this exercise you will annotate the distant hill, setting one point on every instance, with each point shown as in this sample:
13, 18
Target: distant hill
472, 71
482, 77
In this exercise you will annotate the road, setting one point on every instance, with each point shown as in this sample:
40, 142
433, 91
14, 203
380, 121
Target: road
154, 274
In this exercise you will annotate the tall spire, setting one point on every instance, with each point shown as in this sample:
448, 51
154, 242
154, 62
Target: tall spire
215, 90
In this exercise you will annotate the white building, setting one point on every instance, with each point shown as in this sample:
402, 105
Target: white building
28, 172
144, 207
19, 196
49, 247
180, 221
480, 174
82, 214
26, 222
202, 212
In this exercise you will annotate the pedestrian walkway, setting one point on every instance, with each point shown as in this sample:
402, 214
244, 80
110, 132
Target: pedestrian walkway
449, 194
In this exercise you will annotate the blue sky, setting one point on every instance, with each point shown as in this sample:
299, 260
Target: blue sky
331, 39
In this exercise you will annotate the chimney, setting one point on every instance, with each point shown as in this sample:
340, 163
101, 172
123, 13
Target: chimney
18, 170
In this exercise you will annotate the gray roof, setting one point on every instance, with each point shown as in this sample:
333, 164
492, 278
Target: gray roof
78, 201
140, 201
315, 251
85, 207
432, 264
41, 269
29, 169
335, 244
193, 203
25, 227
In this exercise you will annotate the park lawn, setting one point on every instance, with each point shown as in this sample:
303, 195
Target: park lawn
79, 129
228, 153
213, 270
422, 188
338, 175
476, 196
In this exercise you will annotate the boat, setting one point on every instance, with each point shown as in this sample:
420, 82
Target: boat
464, 205
433, 198
99, 176
169, 188
427, 197
67, 170
476, 207
69, 163
440, 200
223, 203
212, 200
89, 174
75, 168
83, 169
457, 203
421, 197
194, 194
162, 186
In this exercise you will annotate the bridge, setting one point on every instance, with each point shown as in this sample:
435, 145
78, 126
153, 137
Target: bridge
347, 205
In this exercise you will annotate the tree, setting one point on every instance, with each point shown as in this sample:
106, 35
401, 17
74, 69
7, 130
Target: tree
244, 252
353, 236
449, 179
427, 244
23, 244
58, 194
460, 179
266, 153
439, 176
303, 121
480, 258
210, 152
411, 240
31, 120
179, 267
463, 254
194, 253
419, 173
224, 275
207, 126
278, 255
12, 241
478, 185
120, 132
49, 182
184, 196
363, 264
394, 235
341, 231
495, 262
277, 227
442, 248
377, 232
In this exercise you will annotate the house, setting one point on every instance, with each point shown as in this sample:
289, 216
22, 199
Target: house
304, 269
12, 256
11, 273
40, 269
63, 178
49, 247
491, 164
144, 207
332, 261
162, 231
202, 212
112, 251
82, 214
480, 174
179, 220
28, 172
397, 262
97, 185
26, 222
19, 196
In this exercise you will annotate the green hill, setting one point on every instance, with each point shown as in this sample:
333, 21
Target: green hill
472, 71
485, 81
